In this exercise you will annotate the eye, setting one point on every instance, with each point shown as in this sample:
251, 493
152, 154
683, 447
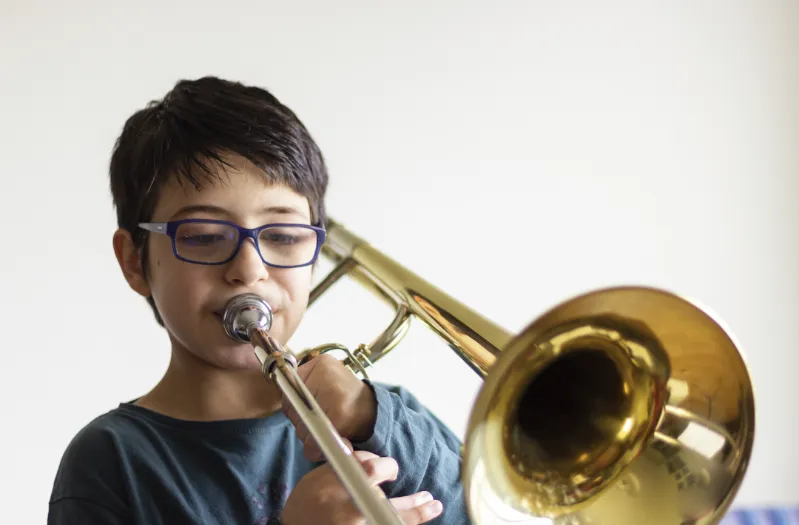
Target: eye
279, 238
202, 239
201, 234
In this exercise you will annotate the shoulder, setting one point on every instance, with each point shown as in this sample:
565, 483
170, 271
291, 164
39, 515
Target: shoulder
102, 436
90, 468
95, 433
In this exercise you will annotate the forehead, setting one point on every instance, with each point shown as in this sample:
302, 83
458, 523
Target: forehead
239, 192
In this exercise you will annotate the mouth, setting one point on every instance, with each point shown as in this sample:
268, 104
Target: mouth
219, 313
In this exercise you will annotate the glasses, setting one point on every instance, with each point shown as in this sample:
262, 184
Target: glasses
207, 241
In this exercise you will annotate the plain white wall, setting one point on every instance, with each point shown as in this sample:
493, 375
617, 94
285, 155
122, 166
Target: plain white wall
513, 153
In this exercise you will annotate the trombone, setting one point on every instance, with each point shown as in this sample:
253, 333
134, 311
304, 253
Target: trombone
623, 405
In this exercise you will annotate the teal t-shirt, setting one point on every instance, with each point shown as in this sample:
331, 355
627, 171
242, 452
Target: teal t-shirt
133, 466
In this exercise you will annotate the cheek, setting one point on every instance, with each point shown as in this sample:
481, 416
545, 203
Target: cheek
177, 287
296, 287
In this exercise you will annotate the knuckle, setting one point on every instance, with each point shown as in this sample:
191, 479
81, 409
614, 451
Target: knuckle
422, 498
385, 468
326, 358
327, 361
391, 467
413, 517
370, 467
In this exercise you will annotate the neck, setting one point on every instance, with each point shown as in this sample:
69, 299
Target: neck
194, 390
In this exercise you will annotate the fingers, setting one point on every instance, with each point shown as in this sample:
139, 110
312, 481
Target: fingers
417, 508
313, 452
379, 470
411, 501
413, 509
364, 455
305, 370
321, 361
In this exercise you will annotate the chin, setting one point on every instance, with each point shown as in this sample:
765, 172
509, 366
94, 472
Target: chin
234, 357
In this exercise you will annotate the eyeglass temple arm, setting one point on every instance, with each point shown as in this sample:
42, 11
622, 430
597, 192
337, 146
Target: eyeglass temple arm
157, 227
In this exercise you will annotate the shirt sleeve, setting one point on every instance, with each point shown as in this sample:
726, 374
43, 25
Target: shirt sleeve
428, 453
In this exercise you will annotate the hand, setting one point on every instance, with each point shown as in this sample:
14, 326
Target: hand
320, 498
347, 401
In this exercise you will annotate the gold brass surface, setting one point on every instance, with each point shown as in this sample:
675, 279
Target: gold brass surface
622, 406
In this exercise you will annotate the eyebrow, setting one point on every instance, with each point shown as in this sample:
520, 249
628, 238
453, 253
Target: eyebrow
210, 208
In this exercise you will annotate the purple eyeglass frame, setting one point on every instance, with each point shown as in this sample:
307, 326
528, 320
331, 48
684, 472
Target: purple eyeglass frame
170, 228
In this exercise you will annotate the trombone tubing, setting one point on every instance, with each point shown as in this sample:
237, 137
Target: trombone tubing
476, 340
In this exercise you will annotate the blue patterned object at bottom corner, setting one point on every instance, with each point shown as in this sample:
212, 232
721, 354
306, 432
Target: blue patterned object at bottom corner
762, 516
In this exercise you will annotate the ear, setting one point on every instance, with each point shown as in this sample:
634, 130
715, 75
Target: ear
129, 259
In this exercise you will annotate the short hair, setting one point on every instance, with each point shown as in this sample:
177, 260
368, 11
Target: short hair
197, 123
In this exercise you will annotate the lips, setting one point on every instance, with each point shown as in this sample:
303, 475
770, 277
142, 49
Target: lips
220, 312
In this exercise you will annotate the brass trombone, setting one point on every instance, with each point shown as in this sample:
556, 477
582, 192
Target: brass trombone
624, 406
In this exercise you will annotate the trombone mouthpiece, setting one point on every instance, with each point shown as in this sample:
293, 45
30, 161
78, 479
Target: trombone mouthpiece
245, 313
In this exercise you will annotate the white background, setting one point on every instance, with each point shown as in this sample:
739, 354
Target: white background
512, 153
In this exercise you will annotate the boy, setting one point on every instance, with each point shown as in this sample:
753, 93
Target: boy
212, 442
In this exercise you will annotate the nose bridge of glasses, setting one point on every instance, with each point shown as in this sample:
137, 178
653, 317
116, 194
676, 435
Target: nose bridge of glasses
247, 260
251, 235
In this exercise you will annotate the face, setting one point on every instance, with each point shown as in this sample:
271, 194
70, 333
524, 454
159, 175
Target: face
190, 297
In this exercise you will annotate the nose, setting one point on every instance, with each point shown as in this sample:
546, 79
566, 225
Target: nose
247, 268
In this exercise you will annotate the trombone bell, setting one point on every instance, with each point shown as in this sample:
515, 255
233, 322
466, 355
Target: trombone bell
624, 405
